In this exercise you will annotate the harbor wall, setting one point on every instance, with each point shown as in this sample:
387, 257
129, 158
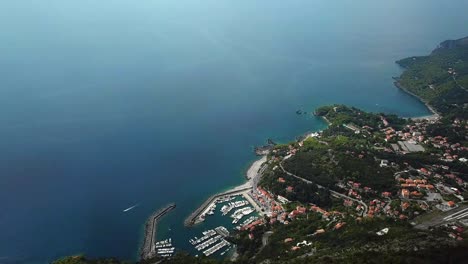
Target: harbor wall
147, 250
192, 219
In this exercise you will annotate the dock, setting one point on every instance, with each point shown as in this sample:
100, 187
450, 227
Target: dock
193, 219
253, 174
212, 241
148, 250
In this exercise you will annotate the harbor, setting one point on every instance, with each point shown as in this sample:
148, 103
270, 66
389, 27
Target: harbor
164, 248
150, 247
253, 174
199, 214
212, 241
236, 209
236, 206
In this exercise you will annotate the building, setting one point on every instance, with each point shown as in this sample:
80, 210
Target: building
405, 193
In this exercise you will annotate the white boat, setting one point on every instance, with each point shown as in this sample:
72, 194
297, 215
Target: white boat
242, 211
130, 208
248, 211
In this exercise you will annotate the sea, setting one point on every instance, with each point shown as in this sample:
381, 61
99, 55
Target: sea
109, 104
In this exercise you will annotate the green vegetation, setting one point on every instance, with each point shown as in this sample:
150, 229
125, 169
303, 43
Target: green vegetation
440, 79
346, 158
303, 192
83, 260
343, 155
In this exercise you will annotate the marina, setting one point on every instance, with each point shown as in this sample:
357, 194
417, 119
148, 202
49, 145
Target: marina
206, 235
225, 199
222, 231
164, 243
164, 248
253, 175
246, 222
240, 213
212, 241
211, 209
233, 206
200, 213
149, 248
227, 208
216, 247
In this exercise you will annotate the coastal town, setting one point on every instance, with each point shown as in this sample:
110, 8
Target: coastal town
426, 195
397, 182
368, 183
415, 191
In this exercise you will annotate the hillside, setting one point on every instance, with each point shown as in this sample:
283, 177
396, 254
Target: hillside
370, 184
439, 79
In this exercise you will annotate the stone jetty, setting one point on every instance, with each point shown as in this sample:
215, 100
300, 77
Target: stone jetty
148, 248
193, 218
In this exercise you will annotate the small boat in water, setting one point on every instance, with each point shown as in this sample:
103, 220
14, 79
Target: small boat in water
130, 208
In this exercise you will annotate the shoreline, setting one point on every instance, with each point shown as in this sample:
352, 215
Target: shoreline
151, 227
255, 167
326, 120
435, 115
253, 172
252, 175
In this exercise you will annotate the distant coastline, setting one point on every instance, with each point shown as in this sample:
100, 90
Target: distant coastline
252, 172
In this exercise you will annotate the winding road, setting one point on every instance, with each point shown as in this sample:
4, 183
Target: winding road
366, 209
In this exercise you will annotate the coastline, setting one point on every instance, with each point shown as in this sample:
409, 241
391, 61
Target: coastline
326, 120
252, 176
147, 249
254, 170
435, 115
255, 167
253, 173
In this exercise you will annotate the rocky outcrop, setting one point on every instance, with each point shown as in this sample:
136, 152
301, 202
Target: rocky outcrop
450, 44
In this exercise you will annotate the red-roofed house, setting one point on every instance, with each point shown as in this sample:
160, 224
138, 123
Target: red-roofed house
386, 194
405, 193
339, 225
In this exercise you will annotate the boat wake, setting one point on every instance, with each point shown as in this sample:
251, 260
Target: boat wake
130, 208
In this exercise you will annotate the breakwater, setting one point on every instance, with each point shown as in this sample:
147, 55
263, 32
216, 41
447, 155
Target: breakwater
193, 218
148, 249
253, 174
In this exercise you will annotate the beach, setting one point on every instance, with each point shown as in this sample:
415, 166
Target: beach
171, 113
252, 175
253, 170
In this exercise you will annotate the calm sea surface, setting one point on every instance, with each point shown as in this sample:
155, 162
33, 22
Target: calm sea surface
107, 104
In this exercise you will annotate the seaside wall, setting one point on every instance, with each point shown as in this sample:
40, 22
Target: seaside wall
191, 220
147, 250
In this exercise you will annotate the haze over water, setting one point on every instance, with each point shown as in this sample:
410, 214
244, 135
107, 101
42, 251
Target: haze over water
108, 104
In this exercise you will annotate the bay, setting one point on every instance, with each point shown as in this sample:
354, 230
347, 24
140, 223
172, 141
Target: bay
108, 104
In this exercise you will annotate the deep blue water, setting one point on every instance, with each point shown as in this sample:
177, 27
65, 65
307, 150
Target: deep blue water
105, 104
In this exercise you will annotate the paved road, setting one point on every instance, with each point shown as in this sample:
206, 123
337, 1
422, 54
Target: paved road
322, 187
445, 217
456, 82
265, 237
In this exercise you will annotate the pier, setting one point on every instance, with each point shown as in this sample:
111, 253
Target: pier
253, 174
148, 248
193, 218
212, 241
